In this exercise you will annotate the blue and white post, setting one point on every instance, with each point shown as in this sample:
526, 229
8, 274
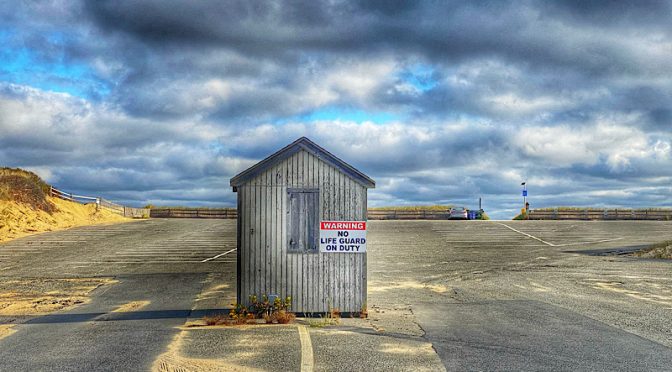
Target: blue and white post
526, 206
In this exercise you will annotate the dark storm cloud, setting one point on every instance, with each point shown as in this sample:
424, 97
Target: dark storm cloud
554, 49
251, 26
613, 13
521, 31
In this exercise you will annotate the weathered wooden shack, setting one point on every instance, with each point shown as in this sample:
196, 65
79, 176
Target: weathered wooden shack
281, 202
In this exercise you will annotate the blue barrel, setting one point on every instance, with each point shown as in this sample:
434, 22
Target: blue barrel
472, 215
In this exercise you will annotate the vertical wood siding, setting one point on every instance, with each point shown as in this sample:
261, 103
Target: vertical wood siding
315, 281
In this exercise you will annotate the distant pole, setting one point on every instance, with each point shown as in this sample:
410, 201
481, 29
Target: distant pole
479, 204
524, 184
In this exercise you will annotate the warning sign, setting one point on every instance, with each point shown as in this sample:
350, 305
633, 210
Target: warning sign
343, 236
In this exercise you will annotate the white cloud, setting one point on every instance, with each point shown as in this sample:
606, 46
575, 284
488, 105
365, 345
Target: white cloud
513, 103
565, 145
109, 152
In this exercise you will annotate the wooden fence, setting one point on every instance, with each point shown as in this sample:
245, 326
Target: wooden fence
394, 214
226, 213
101, 203
73, 197
590, 214
232, 213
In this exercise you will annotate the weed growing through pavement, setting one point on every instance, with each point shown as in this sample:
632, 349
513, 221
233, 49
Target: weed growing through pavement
364, 312
217, 319
272, 312
333, 318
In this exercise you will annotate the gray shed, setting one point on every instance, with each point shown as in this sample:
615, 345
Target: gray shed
282, 201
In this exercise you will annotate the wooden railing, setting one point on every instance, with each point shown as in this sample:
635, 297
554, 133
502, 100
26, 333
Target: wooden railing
101, 203
226, 213
72, 197
394, 214
232, 213
600, 214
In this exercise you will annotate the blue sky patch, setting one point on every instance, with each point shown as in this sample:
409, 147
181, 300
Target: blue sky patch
21, 65
343, 114
421, 76
359, 116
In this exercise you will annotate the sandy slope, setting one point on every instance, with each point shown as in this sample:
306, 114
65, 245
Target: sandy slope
18, 219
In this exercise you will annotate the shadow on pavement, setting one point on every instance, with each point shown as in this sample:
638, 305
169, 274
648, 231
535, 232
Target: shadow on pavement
611, 251
114, 316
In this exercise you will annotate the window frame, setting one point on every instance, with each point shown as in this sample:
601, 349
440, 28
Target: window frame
315, 248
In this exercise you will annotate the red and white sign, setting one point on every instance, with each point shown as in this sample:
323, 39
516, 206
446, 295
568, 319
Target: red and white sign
343, 236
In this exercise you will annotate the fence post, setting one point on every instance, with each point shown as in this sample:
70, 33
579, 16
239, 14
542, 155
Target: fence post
97, 204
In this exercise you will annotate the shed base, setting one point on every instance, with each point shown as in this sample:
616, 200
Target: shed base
353, 314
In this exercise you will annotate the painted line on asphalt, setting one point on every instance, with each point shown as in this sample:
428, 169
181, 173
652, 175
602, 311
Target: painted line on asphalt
528, 235
142, 262
205, 252
593, 242
219, 255
171, 255
307, 363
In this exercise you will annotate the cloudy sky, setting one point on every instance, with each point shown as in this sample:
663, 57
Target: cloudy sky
439, 101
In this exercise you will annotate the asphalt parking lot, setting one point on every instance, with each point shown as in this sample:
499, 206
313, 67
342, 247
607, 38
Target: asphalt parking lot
523, 295
160, 268
527, 295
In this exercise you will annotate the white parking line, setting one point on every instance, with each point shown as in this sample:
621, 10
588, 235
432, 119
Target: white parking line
593, 242
159, 254
143, 262
307, 363
560, 245
528, 235
218, 256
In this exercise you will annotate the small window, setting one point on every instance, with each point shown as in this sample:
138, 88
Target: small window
303, 222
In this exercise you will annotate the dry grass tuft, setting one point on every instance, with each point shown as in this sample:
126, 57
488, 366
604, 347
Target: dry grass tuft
661, 250
284, 317
333, 318
217, 319
25, 187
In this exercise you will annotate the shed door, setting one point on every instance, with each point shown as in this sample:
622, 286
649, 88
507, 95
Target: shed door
303, 221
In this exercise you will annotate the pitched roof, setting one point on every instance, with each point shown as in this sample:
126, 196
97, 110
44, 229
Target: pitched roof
302, 143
